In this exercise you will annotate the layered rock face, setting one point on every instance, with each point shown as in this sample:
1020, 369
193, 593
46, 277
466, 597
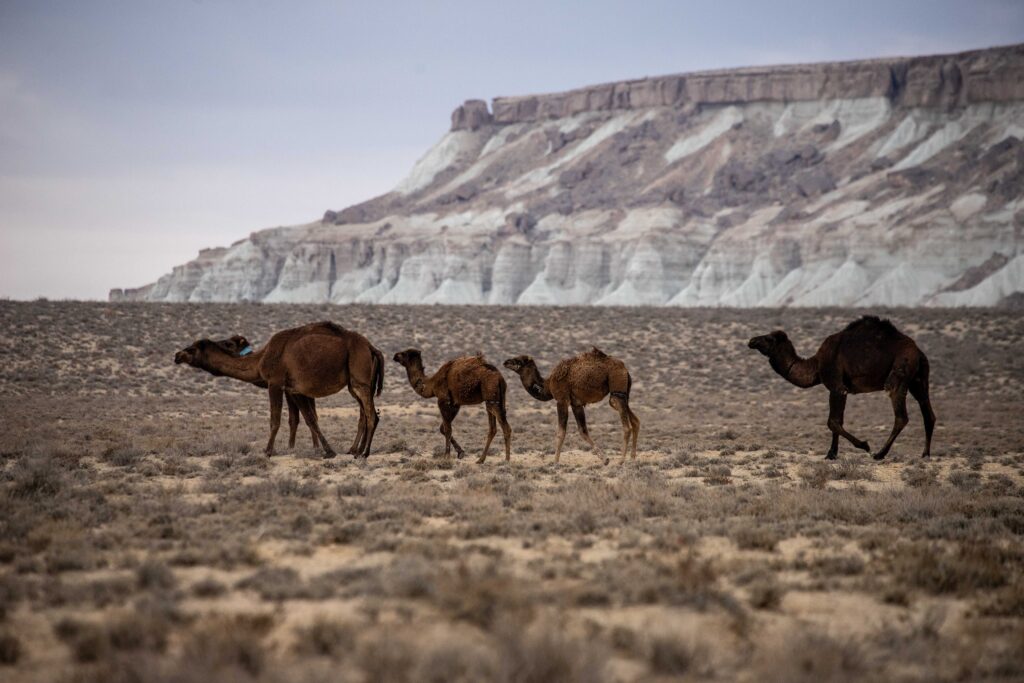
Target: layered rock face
884, 182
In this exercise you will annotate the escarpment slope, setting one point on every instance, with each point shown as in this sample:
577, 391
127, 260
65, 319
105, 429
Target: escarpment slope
879, 182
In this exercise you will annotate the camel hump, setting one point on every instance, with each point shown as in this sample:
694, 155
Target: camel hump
598, 353
331, 326
872, 322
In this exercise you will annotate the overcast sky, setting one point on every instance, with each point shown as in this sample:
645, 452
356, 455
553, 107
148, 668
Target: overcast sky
134, 133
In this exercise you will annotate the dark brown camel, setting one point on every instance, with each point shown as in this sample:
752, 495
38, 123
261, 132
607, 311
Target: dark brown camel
306, 362
461, 382
576, 382
868, 355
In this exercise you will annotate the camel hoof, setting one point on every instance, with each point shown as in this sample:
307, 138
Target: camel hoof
830, 456
879, 456
864, 447
480, 461
329, 454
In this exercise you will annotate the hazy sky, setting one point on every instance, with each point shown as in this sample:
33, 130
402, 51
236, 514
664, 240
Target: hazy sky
134, 133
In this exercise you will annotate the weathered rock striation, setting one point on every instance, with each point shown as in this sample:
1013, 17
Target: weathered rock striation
881, 182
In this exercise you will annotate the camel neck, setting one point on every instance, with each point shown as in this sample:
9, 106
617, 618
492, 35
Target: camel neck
245, 368
418, 380
534, 383
803, 372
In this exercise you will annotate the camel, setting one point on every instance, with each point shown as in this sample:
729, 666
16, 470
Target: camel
869, 355
576, 382
308, 362
465, 381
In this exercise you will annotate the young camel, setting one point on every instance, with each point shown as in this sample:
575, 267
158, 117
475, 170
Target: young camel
306, 362
868, 355
576, 382
461, 382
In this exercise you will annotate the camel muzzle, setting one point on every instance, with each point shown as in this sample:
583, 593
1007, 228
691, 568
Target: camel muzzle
180, 358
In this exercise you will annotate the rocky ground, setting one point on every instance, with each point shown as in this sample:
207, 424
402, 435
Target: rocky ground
144, 536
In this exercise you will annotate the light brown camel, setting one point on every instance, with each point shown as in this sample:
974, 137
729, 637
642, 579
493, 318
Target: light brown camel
868, 355
307, 362
461, 382
576, 382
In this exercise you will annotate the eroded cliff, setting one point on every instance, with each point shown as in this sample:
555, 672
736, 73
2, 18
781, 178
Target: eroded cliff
882, 182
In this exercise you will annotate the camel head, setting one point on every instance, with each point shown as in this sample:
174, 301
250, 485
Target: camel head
518, 364
409, 357
196, 354
768, 344
235, 345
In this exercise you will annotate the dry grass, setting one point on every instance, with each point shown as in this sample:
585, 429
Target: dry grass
143, 537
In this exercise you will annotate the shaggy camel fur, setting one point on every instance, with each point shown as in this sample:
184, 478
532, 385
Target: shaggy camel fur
461, 382
868, 355
307, 362
575, 382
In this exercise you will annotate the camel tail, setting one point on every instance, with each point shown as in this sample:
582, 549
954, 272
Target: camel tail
378, 370
923, 369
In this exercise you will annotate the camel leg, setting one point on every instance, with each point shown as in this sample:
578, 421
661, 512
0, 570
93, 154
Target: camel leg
293, 419
836, 410
357, 442
898, 395
634, 422
368, 420
919, 390
492, 429
580, 414
297, 402
506, 430
448, 413
309, 414
619, 404
276, 402
563, 421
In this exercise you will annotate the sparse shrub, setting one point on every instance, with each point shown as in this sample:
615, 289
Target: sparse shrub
810, 657
481, 598
815, 476
36, 477
208, 588
409, 577
141, 630
968, 568
121, 456
545, 653
452, 662
765, 592
290, 486
841, 565
154, 575
388, 659
346, 532
326, 638
718, 475
228, 643
965, 481
916, 477
757, 537
672, 655
353, 487
10, 649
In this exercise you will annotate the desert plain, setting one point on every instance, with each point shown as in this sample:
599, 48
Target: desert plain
144, 536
